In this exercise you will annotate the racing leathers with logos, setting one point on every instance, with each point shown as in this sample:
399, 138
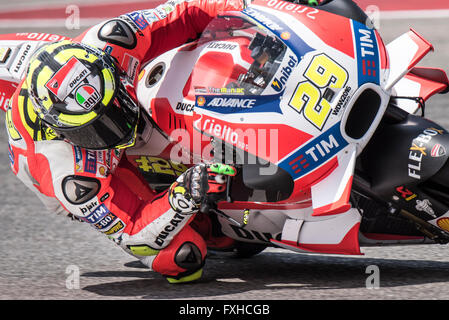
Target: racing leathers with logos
101, 187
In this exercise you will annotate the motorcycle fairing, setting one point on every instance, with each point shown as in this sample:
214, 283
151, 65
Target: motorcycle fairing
415, 153
338, 234
263, 142
405, 79
419, 82
329, 197
334, 30
404, 53
297, 135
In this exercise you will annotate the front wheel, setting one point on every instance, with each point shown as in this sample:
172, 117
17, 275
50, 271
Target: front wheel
246, 249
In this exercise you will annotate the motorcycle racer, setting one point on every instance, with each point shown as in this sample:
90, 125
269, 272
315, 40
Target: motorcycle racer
75, 112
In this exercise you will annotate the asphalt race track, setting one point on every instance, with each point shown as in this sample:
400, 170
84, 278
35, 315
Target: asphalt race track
41, 255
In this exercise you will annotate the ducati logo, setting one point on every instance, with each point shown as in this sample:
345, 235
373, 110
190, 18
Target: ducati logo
71, 74
438, 151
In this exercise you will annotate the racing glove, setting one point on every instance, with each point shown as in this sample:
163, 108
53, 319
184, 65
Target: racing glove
199, 186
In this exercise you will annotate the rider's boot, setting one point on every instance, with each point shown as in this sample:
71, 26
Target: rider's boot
181, 261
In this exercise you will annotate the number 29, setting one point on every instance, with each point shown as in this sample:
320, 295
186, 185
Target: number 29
308, 98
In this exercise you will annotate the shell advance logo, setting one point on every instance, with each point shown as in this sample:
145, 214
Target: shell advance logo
231, 104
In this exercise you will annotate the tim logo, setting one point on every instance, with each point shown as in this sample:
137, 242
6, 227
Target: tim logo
315, 153
369, 68
367, 54
299, 164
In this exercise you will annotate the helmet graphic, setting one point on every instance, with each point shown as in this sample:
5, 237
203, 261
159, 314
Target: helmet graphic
77, 91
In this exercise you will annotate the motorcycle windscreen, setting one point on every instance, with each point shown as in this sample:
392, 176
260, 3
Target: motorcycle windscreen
239, 58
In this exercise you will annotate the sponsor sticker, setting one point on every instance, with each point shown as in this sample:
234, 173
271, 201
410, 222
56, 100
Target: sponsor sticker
130, 64
115, 228
66, 79
437, 151
185, 107
223, 90
10, 154
78, 159
96, 215
20, 63
150, 16
138, 19
418, 150
89, 207
280, 80
90, 163
106, 221
222, 45
108, 49
367, 54
226, 104
200, 101
425, 206
405, 193
443, 223
87, 96
172, 226
315, 153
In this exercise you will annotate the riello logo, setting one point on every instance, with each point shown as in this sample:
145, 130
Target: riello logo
279, 83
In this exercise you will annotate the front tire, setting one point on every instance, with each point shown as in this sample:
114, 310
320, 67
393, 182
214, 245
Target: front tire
247, 250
